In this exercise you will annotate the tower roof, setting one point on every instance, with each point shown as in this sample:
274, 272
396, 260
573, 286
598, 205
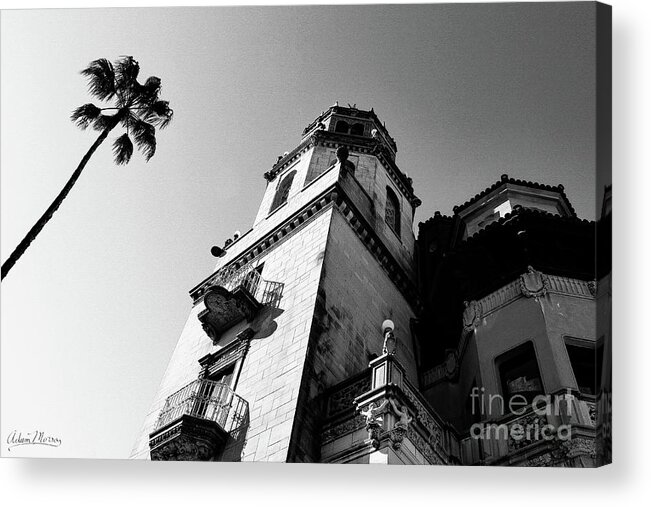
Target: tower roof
354, 112
505, 180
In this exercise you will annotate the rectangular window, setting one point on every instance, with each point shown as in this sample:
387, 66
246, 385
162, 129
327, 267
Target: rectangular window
585, 359
225, 376
519, 372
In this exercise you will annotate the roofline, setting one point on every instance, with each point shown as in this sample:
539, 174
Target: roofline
505, 179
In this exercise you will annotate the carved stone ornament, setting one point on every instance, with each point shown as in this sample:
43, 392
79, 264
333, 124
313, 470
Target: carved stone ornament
389, 346
400, 428
580, 447
471, 315
592, 287
543, 460
534, 284
397, 435
223, 308
374, 422
374, 431
187, 439
451, 364
183, 449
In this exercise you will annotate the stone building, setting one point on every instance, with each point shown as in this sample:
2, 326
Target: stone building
328, 333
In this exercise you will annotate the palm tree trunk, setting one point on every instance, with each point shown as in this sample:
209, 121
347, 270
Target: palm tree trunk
38, 226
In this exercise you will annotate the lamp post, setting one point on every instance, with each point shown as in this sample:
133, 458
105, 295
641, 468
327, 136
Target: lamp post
389, 346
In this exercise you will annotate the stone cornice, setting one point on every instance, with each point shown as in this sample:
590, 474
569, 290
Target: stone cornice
334, 196
354, 144
352, 112
275, 237
372, 147
291, 157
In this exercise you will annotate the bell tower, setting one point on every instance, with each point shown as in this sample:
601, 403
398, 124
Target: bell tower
295, 305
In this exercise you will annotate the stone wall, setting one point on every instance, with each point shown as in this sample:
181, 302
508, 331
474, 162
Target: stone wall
272, 370
355, 296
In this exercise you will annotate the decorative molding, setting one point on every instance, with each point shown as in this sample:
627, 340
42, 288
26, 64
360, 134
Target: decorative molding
223, 308
471, 315
424, 447
271, 240
527, 285
424, 418
530, 420
187, 439
342, 399
576, 447
348, 426
390, 410
534, 284
333, 196
227, 355
364, 145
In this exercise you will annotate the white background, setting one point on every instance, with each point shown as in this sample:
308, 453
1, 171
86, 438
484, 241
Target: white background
103, 482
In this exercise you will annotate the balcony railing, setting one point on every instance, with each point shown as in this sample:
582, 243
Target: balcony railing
231, 295
264, 291
208, 400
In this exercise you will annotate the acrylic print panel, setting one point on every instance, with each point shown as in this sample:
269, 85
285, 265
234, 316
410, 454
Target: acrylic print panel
385, 220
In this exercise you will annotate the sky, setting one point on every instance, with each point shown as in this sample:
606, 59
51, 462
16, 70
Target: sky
91, 313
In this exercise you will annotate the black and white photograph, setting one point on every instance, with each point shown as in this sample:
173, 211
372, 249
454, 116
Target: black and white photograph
355, 234
317, 235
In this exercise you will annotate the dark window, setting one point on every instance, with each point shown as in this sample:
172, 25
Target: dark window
519, 373
392, 211
585, 360
225, 376
357, 129
282, 192
342, 126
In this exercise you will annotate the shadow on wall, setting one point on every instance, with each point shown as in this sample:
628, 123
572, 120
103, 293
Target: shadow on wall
265, 323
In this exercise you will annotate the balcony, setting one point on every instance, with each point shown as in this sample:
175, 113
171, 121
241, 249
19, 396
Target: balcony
196, 421
380, 412
230, 296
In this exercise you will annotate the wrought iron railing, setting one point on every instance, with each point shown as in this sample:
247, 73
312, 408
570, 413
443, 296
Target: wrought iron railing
264, 291
205, 399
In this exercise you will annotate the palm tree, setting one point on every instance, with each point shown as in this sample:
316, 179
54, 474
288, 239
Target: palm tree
134, 106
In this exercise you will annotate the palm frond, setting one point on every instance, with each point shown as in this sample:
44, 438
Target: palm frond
101, 78
145, 135
84, 115
159, 114
126, 72
101, 122
122, 149
148, 93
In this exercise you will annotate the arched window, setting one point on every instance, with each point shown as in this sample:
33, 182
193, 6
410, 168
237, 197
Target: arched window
282, 192
342, 126
392, 211
357, 129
